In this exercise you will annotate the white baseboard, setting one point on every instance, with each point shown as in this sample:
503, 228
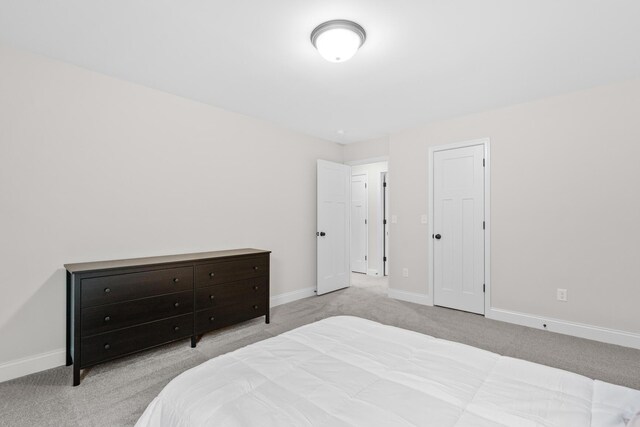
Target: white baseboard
292, 296
372, 272
55, 358
32, 364
581, 330
414, 297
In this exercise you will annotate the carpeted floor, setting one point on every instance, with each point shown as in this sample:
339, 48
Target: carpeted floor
116, 393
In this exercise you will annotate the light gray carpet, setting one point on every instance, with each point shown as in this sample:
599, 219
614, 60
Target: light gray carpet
116, 393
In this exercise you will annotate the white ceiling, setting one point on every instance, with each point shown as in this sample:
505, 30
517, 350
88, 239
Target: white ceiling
423, 60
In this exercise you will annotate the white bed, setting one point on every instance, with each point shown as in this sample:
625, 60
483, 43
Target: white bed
347, 371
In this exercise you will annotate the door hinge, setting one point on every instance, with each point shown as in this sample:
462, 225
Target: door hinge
365, 185
384, 259
483, 224
484, 288
365, 221
385, 222
482, 162
365, 257
384, 184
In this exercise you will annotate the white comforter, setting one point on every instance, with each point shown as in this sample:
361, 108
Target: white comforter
347, 371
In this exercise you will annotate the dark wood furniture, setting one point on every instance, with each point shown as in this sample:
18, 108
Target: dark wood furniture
115, 308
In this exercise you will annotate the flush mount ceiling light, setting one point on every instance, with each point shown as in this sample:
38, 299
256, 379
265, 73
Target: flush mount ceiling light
338, 40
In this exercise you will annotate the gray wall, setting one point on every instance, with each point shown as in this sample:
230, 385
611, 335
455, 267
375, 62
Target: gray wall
94, 168
565, 204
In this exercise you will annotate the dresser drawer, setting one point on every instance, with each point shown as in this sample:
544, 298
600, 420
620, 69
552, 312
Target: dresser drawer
208, 320
124, 287
230, 271
103, 318
106, 346
231, 293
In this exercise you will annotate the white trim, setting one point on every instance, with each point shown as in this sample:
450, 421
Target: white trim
413, 297
372, 272
367, 161
32, 364
380, 224
287, 297
581, 330
485, 142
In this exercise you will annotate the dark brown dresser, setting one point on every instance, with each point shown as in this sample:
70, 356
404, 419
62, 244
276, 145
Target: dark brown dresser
116, 308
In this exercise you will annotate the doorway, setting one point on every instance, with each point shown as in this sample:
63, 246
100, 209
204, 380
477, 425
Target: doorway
359, 222
367, 219
459, 213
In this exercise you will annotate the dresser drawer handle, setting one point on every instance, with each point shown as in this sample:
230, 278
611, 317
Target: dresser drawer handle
255, 307
256, 287
107, 346
176, 305
107, 290
255, 267
176, 328
212, 274
107, 318
211, 297
211, 319
176, 280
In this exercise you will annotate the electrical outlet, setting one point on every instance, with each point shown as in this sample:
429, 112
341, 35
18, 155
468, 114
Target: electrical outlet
562, 294
405, 272
423, 219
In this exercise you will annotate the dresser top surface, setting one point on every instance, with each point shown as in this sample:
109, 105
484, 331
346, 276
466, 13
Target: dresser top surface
155, 260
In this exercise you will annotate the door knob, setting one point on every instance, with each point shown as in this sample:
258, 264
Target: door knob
438, 236
322, 234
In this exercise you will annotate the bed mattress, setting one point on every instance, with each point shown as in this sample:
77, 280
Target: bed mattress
348, 371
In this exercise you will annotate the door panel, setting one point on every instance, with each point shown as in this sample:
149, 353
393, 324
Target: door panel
359, 223
334, 188
458, 220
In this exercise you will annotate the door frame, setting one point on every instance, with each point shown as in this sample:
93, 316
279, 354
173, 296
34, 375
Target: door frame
485, 142
366, 228
382, 238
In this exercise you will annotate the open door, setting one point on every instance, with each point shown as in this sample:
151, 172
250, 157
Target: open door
333, 232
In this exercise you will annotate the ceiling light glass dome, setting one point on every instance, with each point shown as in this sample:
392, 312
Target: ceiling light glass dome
338, 40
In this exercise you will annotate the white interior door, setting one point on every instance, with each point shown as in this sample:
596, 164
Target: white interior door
334, 187
458, 228
359, 223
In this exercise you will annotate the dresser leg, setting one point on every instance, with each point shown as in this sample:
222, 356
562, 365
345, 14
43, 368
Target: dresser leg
76, 375
193, 341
